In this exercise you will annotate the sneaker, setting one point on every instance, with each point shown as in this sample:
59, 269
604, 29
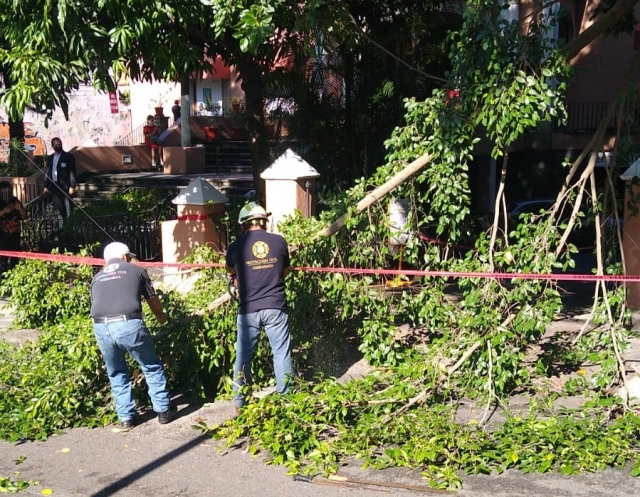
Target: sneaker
166, 416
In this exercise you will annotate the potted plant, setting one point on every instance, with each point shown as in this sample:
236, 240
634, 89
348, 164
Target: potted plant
238, 117
212, 110
159, 101
125, 97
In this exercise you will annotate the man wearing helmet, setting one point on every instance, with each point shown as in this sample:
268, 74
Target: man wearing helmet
259, 261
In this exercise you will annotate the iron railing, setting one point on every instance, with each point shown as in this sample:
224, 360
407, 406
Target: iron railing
135, 137
44, 230
585, 117
141, 231
26, 192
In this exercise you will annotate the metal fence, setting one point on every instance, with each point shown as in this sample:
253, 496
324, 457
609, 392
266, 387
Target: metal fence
44, 230
135, 137
586, 117
26, 192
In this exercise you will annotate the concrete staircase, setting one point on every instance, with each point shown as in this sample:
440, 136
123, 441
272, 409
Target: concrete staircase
227, 167
104, 186
228, 156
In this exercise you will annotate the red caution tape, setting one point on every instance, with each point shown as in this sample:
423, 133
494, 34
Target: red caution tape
194, 217
463, 274
93, 261
71, 259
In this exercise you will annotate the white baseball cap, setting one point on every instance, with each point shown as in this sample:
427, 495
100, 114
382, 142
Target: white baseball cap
115, 250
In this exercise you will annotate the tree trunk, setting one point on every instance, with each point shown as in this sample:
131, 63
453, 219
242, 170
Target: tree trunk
253, 86
185, 111
350, 123
17, 154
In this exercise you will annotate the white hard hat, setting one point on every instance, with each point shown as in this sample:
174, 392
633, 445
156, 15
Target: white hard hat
115, 250
252, 211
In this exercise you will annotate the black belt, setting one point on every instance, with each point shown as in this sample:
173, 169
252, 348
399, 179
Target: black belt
115, 319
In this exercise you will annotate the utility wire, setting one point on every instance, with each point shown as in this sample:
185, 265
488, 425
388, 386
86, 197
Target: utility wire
391, 54
44, 172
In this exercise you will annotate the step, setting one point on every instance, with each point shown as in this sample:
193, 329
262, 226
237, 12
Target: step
232, 184
228, 156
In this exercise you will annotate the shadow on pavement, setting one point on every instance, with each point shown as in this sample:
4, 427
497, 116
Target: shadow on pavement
150, 467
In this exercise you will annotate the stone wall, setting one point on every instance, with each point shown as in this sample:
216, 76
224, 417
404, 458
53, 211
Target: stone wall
90, 121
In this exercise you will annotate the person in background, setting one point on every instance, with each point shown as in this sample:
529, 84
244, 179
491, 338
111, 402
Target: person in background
60, 182
116, 311
11, 215
259, 261
176, 110
151, 135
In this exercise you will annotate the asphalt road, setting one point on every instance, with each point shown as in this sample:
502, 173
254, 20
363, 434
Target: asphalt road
178, 460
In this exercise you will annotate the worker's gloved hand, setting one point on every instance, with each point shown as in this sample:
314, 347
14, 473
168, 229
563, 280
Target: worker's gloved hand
232, 287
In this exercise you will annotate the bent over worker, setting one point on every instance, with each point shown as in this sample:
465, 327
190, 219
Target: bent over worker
116, 311
259, 260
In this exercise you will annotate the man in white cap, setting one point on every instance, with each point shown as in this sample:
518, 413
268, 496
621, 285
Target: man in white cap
116, 311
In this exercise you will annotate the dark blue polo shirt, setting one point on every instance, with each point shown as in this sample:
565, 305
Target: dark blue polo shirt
259, 258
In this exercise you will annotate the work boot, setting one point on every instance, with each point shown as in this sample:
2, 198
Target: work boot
125, 426
166, 416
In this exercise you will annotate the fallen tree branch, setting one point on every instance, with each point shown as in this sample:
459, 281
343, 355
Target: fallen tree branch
490, 383
464, 357
500, 202
376, 195
594, 146
414, 400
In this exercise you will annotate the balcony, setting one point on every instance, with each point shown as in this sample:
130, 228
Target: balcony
584, 117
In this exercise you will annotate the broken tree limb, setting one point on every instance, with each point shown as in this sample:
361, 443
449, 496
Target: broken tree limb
376, 195
417, 488
207, 310
594, 146
418, 398
464, 357
475, 346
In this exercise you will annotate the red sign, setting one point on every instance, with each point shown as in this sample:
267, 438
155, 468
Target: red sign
113, 101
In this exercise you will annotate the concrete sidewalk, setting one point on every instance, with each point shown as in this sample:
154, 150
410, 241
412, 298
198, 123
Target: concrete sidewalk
178, 460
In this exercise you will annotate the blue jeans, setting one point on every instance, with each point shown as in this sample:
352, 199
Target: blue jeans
115, 340
276, 325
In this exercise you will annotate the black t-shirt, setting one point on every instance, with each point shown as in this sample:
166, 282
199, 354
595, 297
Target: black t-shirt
259, 259
118, 288
10, 225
